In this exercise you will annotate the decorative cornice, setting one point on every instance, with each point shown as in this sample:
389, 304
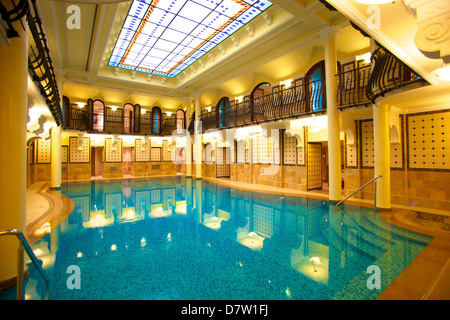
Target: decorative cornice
330, 32
432, 37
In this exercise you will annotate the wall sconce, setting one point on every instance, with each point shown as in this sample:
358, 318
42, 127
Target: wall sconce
287, 83
366, 57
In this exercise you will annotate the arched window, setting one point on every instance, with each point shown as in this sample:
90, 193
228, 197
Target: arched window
260, 99
98, 118
223, 112
156, 120
180, 120
128, 118
316, 89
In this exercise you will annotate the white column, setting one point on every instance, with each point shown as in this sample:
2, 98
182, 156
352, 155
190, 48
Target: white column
198, 136
13, 144
334, 143
382, 156
188, 150
55, 178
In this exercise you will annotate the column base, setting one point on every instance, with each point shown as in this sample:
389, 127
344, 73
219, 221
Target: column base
383, 209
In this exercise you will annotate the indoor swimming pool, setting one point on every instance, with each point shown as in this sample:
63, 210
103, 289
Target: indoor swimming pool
186, 239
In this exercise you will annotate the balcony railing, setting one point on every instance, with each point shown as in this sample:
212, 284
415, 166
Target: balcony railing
113, 121
363, 85
356, 87
290, 102
389, 73
352, 87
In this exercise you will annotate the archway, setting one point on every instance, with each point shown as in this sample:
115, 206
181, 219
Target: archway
128, 117
259, 98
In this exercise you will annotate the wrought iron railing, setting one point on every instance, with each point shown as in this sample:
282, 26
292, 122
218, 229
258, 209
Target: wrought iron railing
39, 60
388, 73
352, 87
78, 119
114, 121
289, 102
363, 85
359, 86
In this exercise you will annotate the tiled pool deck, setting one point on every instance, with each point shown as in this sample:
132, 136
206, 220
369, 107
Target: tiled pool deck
427, 277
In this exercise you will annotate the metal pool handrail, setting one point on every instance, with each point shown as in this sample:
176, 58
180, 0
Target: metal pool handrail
375, 198
24, 245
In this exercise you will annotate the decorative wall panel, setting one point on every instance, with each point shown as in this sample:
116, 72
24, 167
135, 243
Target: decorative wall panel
262, 150
156, 154
314, 166
223, 163
44, 151
263, 220
396, 156
141, 155
113, 207
289, 149
351, 154
428, 140
167, 150
301, 156
113, 153
82, 206
168, 194
240, 152
142, 201
64, 154
367, 144
79, 156
156, 196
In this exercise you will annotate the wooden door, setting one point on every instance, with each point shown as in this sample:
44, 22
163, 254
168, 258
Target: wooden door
314, 164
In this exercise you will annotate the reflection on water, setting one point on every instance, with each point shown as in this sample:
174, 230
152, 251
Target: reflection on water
181, 238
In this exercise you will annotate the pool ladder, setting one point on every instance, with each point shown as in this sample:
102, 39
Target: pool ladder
24, 246
374, 205
362, 187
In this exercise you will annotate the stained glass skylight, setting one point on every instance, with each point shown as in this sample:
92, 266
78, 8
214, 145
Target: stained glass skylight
164, 37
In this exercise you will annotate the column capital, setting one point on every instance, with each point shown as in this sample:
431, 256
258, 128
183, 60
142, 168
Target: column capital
330, 32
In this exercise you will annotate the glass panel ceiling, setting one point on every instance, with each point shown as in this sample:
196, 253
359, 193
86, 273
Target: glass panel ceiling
164, 37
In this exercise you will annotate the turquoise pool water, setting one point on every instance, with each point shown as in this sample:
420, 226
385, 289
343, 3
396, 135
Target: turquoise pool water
181, 238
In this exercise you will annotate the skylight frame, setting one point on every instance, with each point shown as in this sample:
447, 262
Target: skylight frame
139, 48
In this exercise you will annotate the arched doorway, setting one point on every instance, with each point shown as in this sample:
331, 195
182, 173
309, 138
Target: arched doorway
223, 112
259, 98
128, 117
316, 89
180, 122
98, 115
156, 120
